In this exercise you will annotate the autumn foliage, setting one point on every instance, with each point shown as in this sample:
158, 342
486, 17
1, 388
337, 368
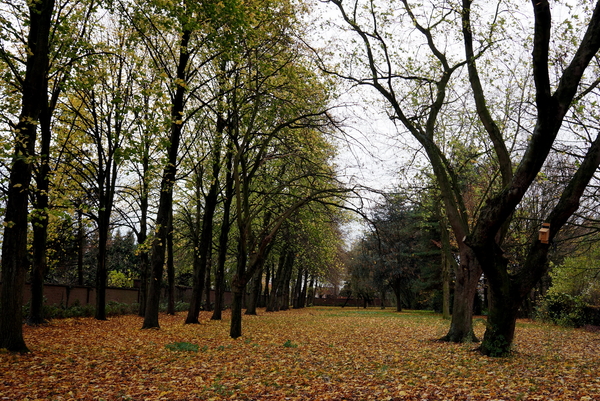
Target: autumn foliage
313, 353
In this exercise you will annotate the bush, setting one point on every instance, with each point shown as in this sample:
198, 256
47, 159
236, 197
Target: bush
179, 306
116, 308
77, 310
565, 310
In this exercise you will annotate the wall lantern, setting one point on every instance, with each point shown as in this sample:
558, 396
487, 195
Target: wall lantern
544, 235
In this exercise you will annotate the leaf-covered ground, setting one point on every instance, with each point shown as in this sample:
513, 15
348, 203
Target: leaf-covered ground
314, 353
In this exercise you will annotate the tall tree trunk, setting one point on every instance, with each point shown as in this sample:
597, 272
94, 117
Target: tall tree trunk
302, 300
446, 291
143, 264
296, 301
237, 292
223, 241
142, 235
265, 296
80, 246
286, 286
166, 194
204, 248
170, 269
101, 274
447, 263
273, 302
311, 292
238, 287
14, 246
39, 223
106, 184
207, 281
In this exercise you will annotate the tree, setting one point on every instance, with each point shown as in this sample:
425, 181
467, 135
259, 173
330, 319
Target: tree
100, 106
507, 288
399, 254
14, 246
480, 239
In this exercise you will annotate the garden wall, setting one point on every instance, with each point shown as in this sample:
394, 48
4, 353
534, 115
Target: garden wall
67, 295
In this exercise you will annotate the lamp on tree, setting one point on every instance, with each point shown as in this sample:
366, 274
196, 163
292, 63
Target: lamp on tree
544, 235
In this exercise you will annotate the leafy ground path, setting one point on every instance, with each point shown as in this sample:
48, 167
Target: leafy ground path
314, 353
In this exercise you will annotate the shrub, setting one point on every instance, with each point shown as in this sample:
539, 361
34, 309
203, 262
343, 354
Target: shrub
564, 310
77, 310
179, 306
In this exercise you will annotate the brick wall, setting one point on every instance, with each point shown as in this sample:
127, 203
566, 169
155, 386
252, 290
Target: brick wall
67, 295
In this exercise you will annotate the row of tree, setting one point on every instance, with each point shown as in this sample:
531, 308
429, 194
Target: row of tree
209, 119
199, 126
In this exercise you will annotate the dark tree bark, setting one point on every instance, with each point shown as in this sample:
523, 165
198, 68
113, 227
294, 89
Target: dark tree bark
204, 243
507, 290
447, 263
273, 302
255, 290
223, 240
246, 268
265, 296
157, 258
142, 232
311, 292
296, 301
14, 247
303, 291
106, 197
467, 274
170, 269
41, 204
39, 221
286, 288
143, 265
80, 246
208, 306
